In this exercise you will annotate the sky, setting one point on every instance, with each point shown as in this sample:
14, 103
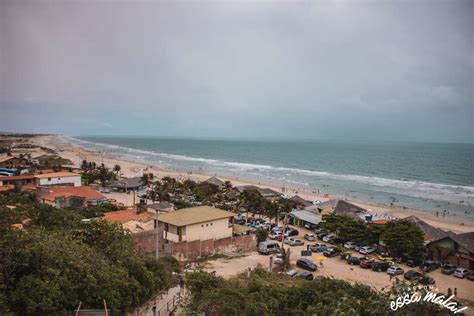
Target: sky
348, 70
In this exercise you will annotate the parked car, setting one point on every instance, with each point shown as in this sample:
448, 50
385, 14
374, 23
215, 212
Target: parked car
366, 250
350, 245
335, 241
277, 229
353, 261
400, 259
310, 226
309, 237
274, 235
327, 238
426, 280
380, 266
448, 269
367, 264
321, 230
293, 241
291, 273
306, 276
318, 247
461, 273
358, 245
385, 258
322, 234
395, 270
412, 275
470, 277
413, 262
268, 247
330, 252
430, 265
291, 232
306, 264
278, 259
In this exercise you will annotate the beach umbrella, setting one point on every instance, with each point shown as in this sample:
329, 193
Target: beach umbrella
320, 258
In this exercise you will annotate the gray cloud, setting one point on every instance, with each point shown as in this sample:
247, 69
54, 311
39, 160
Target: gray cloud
400, 70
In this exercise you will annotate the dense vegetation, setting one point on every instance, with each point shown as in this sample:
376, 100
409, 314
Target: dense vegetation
57, 261
399, 237
263, 293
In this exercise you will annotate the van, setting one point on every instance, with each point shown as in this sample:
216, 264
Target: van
268, 247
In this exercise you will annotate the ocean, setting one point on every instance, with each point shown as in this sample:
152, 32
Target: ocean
424, 176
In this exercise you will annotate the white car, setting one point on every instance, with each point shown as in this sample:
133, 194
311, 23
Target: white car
349, 245
277, 229
275, 235
291, 273
461, 273
293, 241
328, 237
309, 237
366, 250
395, 270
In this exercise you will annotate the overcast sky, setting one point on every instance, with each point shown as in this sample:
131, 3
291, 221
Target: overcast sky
387, 70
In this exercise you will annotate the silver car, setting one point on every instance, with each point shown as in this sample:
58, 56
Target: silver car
461, 273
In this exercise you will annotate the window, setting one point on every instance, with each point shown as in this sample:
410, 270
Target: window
211, 224
207, 225
49, 179
202, 225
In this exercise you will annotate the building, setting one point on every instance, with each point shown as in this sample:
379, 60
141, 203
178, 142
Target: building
302, 218
196, 223
58, 178
13, 162
132, 220
69, 196
431, 233
339, 207
18, 180
263, 192
300, 201
217, 182
458, 249
127, 184
161, 207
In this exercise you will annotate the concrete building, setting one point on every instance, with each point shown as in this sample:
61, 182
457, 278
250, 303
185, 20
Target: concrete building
58, 178
69, 196
196, 223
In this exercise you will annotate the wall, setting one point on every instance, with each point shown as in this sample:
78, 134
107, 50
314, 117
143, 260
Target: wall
76, 180
196, 249
215, 229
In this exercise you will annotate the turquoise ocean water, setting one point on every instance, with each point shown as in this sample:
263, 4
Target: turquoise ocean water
431, 177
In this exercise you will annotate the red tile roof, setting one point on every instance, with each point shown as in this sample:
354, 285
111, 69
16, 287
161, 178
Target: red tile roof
126, 216
6, 187
67, 191
28, 177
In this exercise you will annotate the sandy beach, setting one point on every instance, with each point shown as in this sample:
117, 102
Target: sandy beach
76, 154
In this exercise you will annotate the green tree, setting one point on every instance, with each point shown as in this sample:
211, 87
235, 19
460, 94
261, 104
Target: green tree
402, 237
261, 235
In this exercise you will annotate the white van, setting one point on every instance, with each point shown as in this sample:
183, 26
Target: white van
268, 247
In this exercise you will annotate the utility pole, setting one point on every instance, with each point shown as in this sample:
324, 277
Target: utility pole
157, 241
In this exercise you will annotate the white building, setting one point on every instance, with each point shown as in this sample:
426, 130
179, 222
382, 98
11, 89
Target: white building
59, 178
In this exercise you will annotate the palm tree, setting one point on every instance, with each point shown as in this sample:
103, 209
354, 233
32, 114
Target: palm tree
117, 169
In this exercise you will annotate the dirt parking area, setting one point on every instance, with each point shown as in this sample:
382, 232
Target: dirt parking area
337, 268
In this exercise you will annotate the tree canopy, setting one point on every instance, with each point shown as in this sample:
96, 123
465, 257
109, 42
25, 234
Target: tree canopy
57, 261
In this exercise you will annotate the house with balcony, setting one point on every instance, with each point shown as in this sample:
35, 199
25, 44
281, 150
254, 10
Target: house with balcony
195, 224
457, 249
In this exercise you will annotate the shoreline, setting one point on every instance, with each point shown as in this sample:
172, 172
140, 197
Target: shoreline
130, 169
